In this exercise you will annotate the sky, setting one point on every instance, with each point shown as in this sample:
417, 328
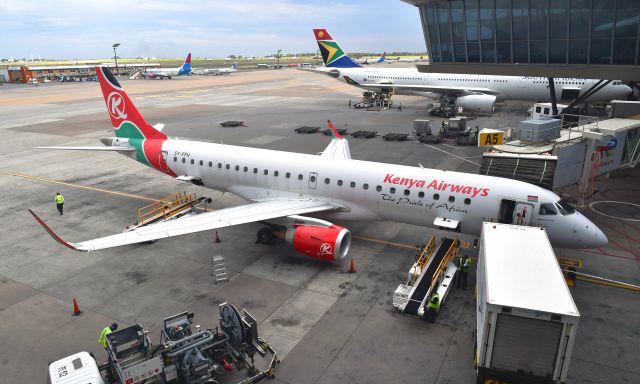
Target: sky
79, 29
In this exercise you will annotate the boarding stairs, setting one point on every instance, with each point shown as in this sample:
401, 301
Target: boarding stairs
432, 272
168, 208
137, 73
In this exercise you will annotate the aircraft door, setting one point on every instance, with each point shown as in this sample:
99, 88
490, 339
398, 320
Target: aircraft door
162, 160
313, 180
507, 211
522, 214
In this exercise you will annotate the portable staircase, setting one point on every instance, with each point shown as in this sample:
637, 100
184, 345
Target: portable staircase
433, 269
168, 208
137, 73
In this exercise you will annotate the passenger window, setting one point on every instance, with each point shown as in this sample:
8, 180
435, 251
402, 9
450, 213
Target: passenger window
407, 192
378, 188
276, 173
288, 175
547, 209
452, 199
353, 184
327, 180
237, 167
210, 164
266, 171
183, 159
365, 186
436, 196
201, 162
300, 176
228, 166
392, 190
467, 201
219, 165
175, 159
421, 194
312, 178
339, 182
192, 161
255, 170
246, 169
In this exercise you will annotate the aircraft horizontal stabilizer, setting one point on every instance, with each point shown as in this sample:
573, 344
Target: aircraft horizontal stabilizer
92, 148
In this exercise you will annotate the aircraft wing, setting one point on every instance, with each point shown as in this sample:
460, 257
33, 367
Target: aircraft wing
441, 89
227, 217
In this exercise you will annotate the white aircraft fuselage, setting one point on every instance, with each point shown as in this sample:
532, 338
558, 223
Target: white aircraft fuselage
378, 191
505, 87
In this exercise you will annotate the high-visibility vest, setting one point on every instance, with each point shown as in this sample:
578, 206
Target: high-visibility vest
434, 302
59, 199
466, 265
103, 336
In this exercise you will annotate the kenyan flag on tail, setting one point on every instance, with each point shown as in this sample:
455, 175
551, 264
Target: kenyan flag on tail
332, 55
128, 123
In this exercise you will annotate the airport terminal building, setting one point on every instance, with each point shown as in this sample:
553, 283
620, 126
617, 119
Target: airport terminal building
24, 73
569, 37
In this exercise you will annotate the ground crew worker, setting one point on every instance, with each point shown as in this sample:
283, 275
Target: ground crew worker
400, 107
442, 128
103, 336
433, 307
59, 202
477, 131
464, 267
349, 103
418, 252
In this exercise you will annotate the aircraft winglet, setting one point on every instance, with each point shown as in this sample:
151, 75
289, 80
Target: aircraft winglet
52, 233
334, 132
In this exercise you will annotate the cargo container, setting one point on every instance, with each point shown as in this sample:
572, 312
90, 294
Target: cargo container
526, 317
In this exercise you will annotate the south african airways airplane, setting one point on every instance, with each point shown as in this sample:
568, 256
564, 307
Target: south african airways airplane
477, 93
301, 197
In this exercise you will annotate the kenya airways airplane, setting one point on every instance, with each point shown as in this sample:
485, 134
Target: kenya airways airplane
299, 197
477, 93
161, 73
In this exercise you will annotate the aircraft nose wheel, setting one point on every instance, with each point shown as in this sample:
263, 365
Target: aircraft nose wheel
265, 236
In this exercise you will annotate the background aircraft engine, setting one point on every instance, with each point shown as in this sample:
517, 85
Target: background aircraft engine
477, 103
324, 243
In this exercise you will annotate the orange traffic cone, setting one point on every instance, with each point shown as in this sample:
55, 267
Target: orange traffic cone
352, 267
217, 238
76, 308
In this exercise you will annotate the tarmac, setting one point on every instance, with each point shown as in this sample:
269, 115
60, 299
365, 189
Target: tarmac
327, 325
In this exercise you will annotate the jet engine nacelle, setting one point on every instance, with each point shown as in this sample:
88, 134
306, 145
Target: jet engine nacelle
477, 103
324, 243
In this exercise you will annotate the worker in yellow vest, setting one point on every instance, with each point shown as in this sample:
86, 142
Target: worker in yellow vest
433, 307
59, 202
103, 336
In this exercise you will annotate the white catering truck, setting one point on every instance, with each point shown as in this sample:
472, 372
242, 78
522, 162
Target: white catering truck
526, 317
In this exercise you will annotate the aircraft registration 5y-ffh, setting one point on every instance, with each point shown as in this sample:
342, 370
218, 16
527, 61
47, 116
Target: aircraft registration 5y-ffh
300, 197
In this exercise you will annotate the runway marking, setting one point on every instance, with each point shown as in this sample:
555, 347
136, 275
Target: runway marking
42, 179
449, 153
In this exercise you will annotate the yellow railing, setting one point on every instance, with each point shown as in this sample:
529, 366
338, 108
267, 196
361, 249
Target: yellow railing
166, 207
448, 257
426, 253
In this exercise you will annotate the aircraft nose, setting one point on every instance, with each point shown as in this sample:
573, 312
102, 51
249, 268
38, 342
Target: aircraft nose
600, 238
590, 235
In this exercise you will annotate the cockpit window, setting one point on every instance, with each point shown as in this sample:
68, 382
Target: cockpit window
547, 209
564, 207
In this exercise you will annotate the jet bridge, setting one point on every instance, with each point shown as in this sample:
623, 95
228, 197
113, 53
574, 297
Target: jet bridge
433, 271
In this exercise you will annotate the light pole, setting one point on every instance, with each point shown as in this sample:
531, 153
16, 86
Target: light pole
279, 50
115, 56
